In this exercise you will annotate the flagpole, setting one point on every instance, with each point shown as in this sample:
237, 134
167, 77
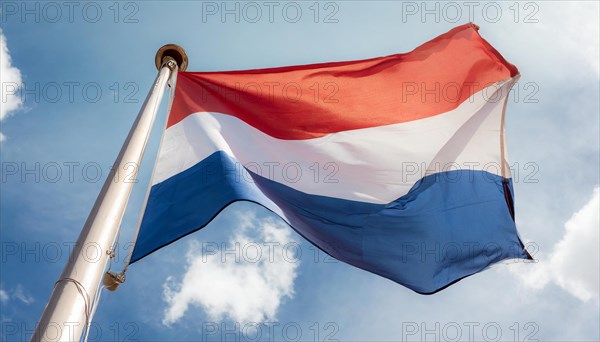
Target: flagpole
68, 311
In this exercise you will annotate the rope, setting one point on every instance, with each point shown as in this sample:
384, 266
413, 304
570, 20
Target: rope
86, 298
89, 309
92, 312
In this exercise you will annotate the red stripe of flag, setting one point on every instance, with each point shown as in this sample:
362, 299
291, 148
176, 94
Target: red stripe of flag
309, 101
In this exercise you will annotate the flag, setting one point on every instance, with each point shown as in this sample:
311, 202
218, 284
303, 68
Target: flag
396, 165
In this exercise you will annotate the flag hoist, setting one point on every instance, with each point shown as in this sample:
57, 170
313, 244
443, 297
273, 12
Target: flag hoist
67, 314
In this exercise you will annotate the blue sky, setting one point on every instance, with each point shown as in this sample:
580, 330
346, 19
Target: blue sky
552, 133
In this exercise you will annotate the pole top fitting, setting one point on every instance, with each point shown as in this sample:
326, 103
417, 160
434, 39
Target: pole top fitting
171, 52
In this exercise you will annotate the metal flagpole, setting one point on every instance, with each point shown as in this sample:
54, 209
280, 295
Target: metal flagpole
68, 311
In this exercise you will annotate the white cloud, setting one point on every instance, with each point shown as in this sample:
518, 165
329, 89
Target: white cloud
19, 293
574, 262
250, 290
3, 296
10, 81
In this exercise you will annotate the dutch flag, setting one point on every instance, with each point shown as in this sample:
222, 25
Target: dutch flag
396, 165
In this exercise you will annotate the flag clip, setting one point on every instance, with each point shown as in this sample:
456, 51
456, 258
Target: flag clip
112, 280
